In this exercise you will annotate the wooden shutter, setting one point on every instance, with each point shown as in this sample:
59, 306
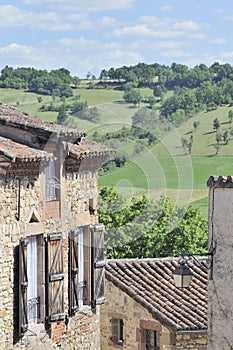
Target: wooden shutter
55, 278
98, 265
23, 284
73, 272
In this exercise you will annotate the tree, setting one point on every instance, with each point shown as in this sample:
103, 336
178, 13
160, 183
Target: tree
62, 114
133, 96
216, 124
196, 124
217, 148
225, 137
230, 115
218, 137
148, 228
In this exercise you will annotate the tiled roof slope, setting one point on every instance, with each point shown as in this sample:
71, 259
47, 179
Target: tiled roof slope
17, 152
89, 149
220, 181
150, 283
18, 119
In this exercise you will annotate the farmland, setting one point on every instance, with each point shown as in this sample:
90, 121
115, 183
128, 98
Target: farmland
164, 169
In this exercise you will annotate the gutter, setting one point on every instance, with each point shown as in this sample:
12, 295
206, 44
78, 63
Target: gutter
199, 331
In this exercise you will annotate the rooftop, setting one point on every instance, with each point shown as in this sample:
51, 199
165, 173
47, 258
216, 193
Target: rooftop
150, 283
32, 142
12, 117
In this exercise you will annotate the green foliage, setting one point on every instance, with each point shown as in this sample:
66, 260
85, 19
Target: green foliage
133, 96
62, 115
196, 124
56, 82
148, 228
230, 115
216, 124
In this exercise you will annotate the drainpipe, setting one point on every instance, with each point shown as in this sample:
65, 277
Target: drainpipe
18, 199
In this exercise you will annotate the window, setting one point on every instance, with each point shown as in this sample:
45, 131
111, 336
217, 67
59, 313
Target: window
86, 267
79, 268
33, 301
52, 182
117, 331
31, 282
150, 340
40, 275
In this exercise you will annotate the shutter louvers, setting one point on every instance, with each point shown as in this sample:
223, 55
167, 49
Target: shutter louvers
23, 284
55, 278
73, 272
98, 264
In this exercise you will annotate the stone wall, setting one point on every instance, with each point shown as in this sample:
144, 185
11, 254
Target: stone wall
82, 330
135, 318
220, 301
191, 341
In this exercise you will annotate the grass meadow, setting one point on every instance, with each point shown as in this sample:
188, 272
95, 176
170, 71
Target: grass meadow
164, 169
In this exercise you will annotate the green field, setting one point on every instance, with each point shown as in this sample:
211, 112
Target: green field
162, 170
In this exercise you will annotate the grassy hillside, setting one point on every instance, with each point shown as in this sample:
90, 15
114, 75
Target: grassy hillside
161, 170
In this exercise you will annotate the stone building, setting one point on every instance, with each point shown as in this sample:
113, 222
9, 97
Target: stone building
51, 251
144, 309
220, 286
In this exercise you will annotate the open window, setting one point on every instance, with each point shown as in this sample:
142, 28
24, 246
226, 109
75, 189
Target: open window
79, 268
31, 282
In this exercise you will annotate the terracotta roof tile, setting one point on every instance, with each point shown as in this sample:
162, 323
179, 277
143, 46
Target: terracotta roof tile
150, 283
87, 149
13, 117
14, 151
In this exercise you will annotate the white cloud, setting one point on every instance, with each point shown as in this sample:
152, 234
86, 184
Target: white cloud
12, 16
174, 53
198, 36
227, 54
78, 55
218, 41
187, 26
107, 21
167, 8
87, 5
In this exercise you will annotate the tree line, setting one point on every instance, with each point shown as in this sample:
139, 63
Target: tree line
149, 228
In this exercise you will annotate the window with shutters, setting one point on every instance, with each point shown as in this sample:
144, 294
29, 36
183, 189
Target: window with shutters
55, 277
98, 265
79, 268
31, 282
150, 340
117, 331
86, 267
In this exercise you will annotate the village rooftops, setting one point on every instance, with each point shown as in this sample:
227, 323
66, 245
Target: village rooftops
12, 117
150, 283
27, 142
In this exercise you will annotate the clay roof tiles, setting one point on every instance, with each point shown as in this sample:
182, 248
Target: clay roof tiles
74, 141
150, 283
17, 152
18, 119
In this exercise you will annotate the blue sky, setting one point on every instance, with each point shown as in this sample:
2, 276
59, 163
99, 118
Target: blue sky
91, 35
